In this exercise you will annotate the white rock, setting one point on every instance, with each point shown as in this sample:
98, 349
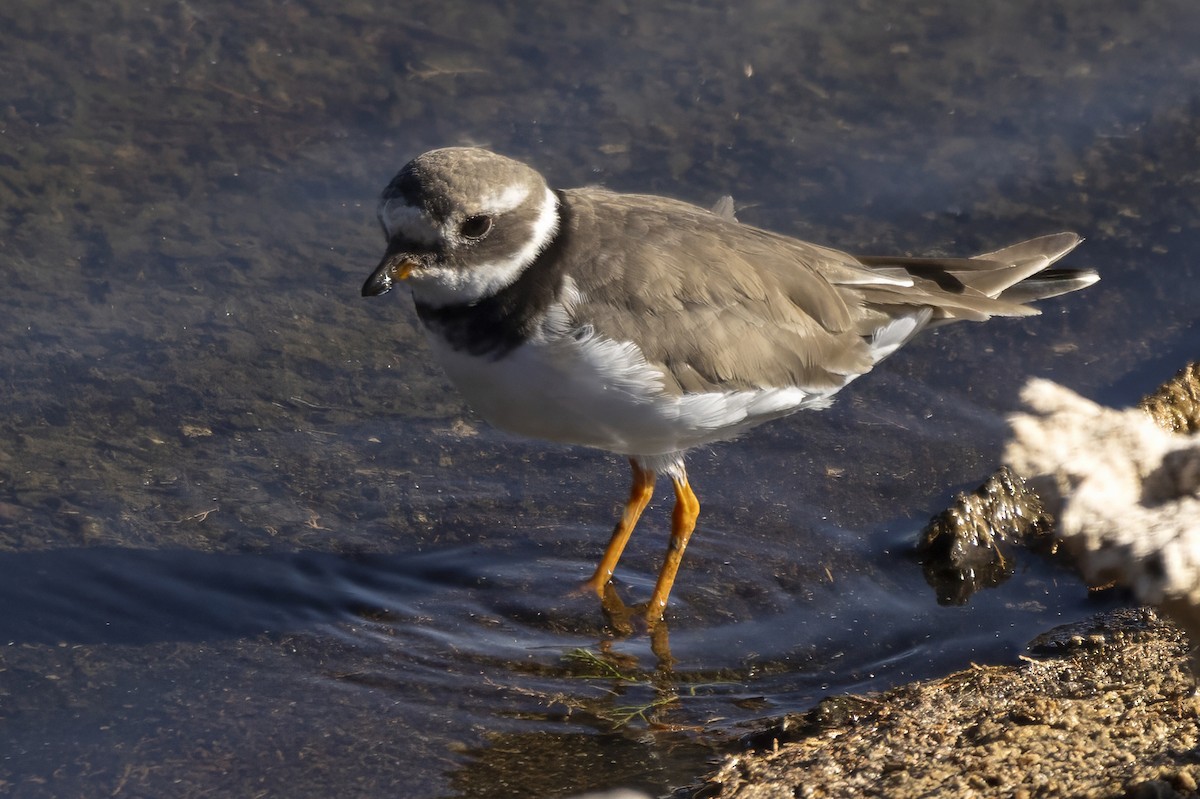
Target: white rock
1125, 493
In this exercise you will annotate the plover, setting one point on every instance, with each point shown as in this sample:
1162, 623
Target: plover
647, 326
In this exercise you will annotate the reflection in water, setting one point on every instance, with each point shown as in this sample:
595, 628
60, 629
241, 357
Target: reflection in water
624, 621
524, 764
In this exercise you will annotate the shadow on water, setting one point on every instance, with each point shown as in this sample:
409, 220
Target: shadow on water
106, 595
494, 611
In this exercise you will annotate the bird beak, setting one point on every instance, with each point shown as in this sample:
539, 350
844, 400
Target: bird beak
393, 267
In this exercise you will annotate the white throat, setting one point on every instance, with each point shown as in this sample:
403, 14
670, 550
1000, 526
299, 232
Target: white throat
438, 287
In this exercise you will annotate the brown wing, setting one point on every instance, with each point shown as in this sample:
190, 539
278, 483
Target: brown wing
710, 302
715, 303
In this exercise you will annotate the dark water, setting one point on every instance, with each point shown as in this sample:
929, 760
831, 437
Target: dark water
252, 544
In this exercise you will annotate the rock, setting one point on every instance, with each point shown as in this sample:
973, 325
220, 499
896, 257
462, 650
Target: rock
1104, 709
1175, 406
960, 548
1125, 493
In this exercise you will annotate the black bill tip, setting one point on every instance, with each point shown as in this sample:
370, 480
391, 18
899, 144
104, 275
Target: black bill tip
378, 283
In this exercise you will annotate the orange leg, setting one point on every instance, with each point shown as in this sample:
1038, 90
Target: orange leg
683, 522
639, 497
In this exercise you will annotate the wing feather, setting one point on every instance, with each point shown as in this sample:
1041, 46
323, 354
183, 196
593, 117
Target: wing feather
716, 304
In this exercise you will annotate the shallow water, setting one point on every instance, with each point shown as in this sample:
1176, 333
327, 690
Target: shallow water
251, 541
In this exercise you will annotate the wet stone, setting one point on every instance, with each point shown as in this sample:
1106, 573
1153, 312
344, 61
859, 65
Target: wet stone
961, 549
1175, 406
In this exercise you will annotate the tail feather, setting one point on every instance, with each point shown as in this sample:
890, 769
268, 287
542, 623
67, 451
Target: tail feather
1039, 283
1050, 283
998, 283
1052, 247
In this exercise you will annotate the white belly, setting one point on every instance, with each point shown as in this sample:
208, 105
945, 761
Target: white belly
600, 393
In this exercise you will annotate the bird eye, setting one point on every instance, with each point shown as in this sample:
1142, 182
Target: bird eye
475, 227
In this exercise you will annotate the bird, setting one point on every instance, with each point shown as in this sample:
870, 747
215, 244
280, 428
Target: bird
648, 326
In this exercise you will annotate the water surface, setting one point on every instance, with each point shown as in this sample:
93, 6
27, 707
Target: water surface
251, 543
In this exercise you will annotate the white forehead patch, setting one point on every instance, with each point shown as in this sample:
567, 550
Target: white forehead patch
505, 200
412, 223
